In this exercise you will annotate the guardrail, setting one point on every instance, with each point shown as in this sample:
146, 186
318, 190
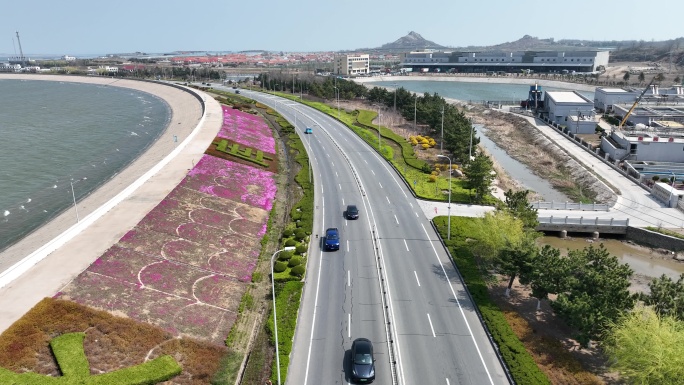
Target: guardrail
583, 221
542, 205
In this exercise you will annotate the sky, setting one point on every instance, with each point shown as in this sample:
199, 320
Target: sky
80, 27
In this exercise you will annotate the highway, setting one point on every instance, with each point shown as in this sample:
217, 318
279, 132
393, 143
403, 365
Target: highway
391, 281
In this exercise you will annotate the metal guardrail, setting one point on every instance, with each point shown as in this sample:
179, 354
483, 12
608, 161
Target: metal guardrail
583, 221
542, 205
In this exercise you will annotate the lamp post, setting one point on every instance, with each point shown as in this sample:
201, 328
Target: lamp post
441, 142
415, 105
449, 206
470, 148
73, 195
671, 189
395, 97
275, 322
337, 94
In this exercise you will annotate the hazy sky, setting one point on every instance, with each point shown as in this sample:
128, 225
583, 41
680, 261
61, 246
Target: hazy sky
80, 27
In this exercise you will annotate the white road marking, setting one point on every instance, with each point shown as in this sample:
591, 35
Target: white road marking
365, 161
388, 201
448, 382
396, 219
349, 326
336, 174
417, 215
380, 184
431, 328
416, 274
348, 277
411, 204
406, 244
313, 318
453, 292
340, 186
373, 172
347, 245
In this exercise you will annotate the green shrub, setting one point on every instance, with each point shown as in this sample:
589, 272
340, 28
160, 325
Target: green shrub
301, 249
300, 234
287, 233
280, 266
295, 261
298, 270
290, 242
285, 255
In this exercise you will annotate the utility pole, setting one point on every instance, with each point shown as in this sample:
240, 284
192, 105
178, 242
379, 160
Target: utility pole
415, 104
470, 148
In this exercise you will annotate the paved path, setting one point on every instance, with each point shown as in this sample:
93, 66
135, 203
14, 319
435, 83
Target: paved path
64, 249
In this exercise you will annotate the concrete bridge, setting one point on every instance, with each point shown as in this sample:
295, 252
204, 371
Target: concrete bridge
595, 225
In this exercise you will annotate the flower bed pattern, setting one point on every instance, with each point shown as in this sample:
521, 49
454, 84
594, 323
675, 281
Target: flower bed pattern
187, 263
247, 129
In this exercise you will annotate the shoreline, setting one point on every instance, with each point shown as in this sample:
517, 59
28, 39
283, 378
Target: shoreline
111, 209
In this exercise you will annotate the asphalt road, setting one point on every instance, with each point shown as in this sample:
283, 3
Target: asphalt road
391, 281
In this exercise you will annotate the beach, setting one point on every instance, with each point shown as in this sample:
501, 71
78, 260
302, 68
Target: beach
63, 248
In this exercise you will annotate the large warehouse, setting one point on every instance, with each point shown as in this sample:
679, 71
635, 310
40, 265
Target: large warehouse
500, 61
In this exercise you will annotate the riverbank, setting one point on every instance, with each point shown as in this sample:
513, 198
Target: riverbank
68, 248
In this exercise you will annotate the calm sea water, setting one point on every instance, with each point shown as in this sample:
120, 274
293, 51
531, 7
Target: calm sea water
55, 134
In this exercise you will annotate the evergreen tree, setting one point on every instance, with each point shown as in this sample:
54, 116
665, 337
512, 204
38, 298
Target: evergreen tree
596, 292
479, 176
667, 296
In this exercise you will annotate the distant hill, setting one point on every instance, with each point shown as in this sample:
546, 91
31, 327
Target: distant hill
412, 41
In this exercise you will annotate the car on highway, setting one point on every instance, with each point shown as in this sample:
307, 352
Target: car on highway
308, 130
352, 212
363, 362
332, 239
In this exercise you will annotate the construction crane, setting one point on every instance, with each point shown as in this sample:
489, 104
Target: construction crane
622, 122
21, 52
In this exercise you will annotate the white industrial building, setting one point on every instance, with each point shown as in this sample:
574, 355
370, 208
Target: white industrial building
351, 64
607, 98
570, 109
506, 61
657, 145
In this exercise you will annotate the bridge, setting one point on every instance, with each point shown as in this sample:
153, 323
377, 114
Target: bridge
565, 224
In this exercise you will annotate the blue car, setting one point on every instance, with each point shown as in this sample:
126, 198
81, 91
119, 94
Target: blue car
332, 239
308, 130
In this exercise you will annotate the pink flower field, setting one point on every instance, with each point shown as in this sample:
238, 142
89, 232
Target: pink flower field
247, 129
188, 262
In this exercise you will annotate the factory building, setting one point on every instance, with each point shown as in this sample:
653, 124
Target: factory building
503, 61
570, 109
607, 98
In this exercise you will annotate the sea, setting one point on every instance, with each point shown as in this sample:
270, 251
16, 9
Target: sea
59, 141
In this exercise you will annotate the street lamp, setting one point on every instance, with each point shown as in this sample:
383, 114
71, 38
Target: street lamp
441, 142
73, 195
337, 93
395, 97
449, 206
415, 104
275, 322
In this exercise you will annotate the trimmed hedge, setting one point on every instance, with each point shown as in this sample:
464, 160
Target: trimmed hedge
288, 295
295, 261
280, 266
298, 270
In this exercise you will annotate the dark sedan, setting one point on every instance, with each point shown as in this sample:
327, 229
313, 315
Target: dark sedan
352, 212
363, 363
332, 239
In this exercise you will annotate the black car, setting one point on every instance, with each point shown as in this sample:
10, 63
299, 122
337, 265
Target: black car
352, 212
362, 361
332, 239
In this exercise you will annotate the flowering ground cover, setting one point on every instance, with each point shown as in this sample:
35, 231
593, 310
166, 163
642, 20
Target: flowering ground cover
247, 129
188, 262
